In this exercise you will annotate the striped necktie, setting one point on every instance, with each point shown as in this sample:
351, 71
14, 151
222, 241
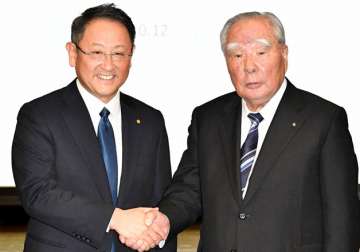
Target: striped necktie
248, 149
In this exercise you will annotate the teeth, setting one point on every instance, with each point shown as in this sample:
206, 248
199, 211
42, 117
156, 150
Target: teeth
105, 77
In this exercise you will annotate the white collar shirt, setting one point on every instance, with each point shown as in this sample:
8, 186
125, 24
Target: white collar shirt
267, 112
94, 106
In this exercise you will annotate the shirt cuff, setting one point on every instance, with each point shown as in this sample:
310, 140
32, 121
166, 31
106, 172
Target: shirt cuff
162, 243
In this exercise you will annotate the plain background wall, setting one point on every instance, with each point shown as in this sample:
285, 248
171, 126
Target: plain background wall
178, 63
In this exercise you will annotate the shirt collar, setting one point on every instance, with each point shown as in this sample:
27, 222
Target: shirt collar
94, 104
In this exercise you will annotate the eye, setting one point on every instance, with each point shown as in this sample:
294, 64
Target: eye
236, 55
261, 53
97, 52
119, 54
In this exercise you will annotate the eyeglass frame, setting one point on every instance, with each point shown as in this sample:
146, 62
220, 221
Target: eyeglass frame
97, 53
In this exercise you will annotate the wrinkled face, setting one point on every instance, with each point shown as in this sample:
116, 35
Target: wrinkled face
256, 61
102, 61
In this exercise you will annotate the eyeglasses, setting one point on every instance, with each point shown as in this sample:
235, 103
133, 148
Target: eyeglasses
98, 55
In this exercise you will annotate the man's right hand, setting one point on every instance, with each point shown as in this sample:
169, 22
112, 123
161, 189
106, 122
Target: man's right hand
130, 224
157, 231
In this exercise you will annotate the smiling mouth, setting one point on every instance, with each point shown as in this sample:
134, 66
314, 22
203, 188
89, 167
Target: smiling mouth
106, 76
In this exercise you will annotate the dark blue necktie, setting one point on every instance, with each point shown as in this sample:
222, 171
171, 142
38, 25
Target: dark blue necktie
108, 151
248, 149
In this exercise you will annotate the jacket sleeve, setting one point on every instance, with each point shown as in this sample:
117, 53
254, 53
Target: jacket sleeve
163, 179
163, 165
339, 173
182, 201
43, 198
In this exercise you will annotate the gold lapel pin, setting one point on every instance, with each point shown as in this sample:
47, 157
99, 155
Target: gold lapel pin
294, 124
138, 121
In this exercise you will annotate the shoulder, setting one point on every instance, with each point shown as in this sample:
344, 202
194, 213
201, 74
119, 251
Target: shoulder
318, 111
219, 105
140, 108
314, 102
46, 103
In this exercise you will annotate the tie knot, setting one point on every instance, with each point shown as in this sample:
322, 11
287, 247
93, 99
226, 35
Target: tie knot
255, 118
104, 113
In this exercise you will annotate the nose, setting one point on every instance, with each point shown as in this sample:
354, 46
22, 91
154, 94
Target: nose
107, 62
249, 64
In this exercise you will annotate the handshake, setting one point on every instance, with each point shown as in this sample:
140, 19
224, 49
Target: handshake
140, 228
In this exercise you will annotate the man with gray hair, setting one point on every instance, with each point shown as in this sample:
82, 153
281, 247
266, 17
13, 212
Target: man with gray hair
269, 167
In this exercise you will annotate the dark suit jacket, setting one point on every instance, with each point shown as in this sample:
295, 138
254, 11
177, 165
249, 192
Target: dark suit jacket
61, 178
302, 194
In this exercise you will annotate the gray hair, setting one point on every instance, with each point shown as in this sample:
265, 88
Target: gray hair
275, 22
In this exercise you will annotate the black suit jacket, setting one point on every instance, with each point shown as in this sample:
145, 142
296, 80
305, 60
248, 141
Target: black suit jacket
302, 194
61, 178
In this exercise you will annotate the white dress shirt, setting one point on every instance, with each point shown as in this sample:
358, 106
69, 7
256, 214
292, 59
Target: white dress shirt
267, 112
94, 106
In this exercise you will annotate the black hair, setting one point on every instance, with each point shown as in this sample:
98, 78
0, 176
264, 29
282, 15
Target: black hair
106, 11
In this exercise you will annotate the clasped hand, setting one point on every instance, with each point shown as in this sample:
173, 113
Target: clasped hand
140, 228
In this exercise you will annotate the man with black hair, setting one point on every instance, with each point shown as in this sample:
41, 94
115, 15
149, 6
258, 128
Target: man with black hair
86, 157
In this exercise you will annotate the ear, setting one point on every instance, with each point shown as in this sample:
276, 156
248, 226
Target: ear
132, 53
72, 53
284, 52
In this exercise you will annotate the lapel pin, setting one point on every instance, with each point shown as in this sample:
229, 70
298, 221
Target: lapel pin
138, 121
294, 124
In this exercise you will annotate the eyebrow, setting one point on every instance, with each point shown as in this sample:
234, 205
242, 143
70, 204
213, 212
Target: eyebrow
232, 46
116, 47
262, 41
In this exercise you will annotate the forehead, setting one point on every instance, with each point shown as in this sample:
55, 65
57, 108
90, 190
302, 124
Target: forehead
105, 29
250, 30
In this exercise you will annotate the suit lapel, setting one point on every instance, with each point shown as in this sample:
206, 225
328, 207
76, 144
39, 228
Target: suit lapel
287, 120
230, 131
132, 128
81, 128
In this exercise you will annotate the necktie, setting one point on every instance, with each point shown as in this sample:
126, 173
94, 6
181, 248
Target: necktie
108, 151
248, 149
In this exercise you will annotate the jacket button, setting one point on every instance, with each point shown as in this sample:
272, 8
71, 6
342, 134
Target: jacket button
242, 216
88, 240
